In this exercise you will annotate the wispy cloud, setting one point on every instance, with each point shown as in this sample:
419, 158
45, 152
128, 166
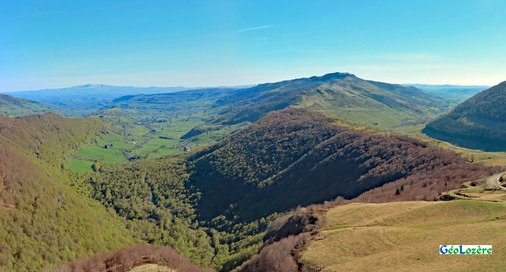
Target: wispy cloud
413, 56
260, 27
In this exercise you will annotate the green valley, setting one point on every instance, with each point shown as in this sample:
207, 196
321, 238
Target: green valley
218, 175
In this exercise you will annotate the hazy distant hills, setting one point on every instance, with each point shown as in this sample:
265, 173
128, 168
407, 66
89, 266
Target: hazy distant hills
453, 93
86, 99
12, 106
338, 94
479, 122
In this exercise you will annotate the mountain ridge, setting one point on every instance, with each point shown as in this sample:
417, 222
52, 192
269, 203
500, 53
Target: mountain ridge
477, 123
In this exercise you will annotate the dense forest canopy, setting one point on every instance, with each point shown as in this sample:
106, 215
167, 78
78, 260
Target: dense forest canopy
43, 221
294, 157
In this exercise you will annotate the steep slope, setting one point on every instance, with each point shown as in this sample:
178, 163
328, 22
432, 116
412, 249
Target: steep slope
478, 123
339, 94
43, 222
405, 236
294, 157
11, 106
152, 197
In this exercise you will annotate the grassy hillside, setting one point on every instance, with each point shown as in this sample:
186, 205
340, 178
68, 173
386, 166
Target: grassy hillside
44, 222
340, 94
477, 123
11, 106
405, 236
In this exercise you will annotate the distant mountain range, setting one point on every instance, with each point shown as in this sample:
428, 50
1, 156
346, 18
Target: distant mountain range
338, 94
86, 99
479, 122
456, 94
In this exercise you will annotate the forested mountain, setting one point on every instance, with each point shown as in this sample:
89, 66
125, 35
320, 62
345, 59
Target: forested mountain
478, 123
339, 94
270, 149
43, 221
214, 205
11, 106
294, 157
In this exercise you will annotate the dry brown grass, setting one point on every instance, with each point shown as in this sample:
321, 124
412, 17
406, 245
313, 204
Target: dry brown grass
404, 236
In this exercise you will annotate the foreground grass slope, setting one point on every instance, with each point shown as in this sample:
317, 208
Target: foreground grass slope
44, 222
405, 236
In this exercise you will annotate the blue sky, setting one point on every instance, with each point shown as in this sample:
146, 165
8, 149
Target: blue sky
47, 44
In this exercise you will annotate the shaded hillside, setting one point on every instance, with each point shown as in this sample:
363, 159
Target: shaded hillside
340, 94
478, 123
294, 157
43, 222
11, 106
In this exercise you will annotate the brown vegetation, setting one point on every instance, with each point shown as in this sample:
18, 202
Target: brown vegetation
286, 238
128, 258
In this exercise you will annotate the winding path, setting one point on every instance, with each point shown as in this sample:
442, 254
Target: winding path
493, 181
